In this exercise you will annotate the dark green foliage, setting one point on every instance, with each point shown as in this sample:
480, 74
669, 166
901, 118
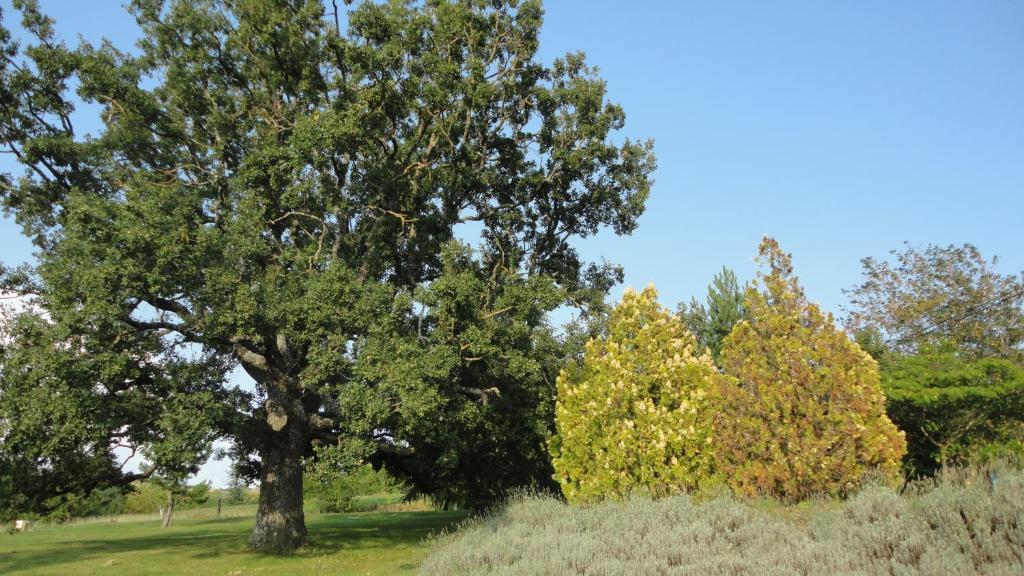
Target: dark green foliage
479, 380
101, 502
70, 398
713, 320
955, 410
271, 191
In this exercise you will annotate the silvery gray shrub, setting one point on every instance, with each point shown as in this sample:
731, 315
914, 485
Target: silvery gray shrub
959, 524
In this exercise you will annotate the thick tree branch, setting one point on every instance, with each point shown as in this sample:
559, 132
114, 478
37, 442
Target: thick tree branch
483, 395
321, 423
153, 325
283, 349
169, 305
250, 358
135, 476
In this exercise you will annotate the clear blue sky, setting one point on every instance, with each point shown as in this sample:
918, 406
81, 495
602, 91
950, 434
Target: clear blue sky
841, 128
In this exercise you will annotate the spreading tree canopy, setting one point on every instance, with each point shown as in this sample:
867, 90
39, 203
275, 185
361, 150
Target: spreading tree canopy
937, 296
277, 186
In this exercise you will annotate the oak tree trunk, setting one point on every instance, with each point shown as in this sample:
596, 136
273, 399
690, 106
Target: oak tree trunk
280, 522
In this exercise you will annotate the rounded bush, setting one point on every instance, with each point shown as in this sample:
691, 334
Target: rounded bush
635, 416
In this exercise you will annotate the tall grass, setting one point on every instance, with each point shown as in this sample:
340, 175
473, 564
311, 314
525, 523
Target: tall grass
961, 523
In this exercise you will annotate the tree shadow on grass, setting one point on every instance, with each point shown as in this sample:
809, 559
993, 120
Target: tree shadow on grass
99, 546
374, 530
210, 539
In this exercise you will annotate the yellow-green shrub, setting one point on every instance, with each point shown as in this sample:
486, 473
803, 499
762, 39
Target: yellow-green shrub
635, 416
803, 410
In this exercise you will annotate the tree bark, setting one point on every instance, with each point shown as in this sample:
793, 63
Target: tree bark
170, 510
280, 521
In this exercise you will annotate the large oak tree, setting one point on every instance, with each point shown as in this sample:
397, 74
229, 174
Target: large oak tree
277, 186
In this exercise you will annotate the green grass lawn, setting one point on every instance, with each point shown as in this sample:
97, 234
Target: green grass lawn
369, 543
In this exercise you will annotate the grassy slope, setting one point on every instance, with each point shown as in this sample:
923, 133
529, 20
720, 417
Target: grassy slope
365, 544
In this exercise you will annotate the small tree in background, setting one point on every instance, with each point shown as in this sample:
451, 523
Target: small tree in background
237, 490
712, 322
939, 295
145, 497
955, 410
636, 415
334, 490
803, 410
179, 494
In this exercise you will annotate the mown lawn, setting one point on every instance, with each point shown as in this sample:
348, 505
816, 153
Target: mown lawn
364, 544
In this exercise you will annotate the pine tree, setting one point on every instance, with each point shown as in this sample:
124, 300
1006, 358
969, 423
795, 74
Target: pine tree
803, 410
712, 322
636, 415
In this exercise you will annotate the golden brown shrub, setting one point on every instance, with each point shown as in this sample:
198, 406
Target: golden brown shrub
802, 408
